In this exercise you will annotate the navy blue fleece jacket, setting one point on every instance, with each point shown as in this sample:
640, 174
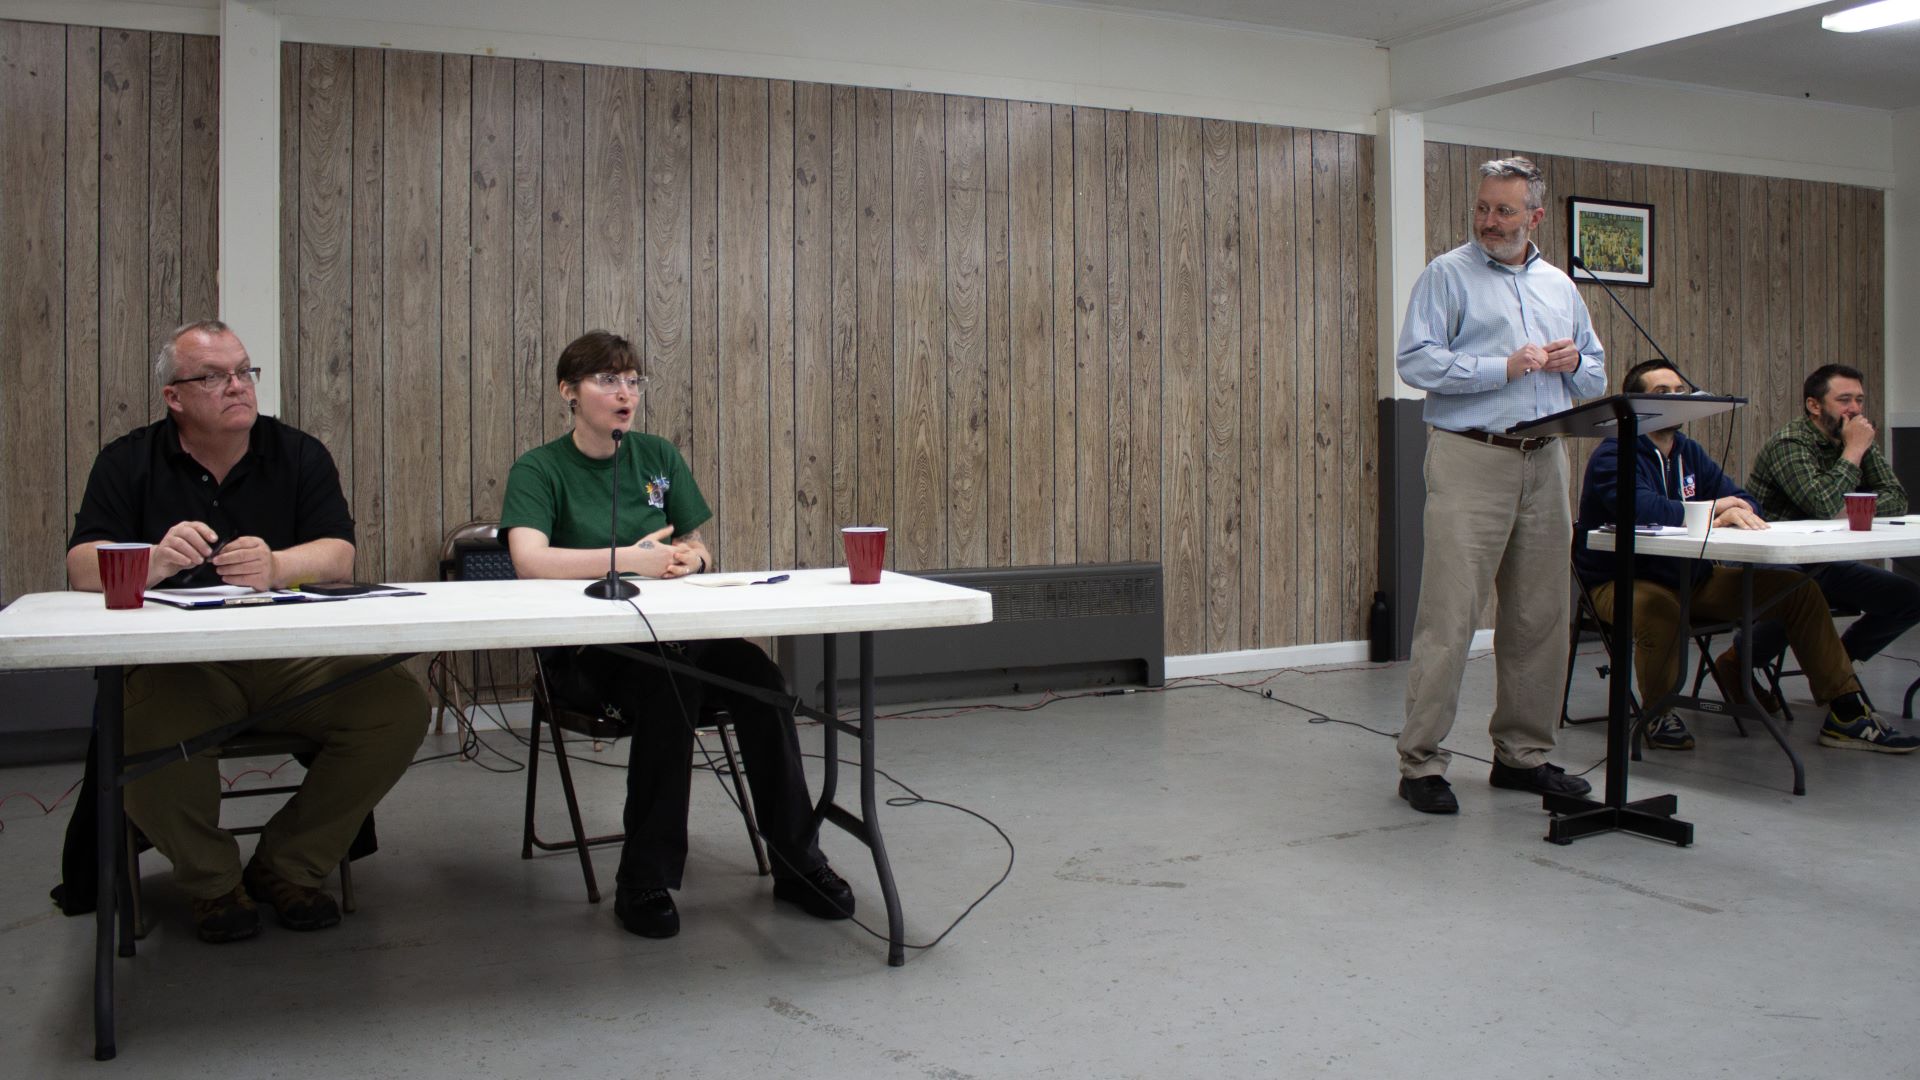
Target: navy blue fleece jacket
1662, 482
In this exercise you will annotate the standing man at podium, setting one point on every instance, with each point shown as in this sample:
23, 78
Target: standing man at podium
1496, 336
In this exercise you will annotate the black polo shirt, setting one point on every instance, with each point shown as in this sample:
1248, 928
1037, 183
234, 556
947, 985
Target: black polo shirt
285, 491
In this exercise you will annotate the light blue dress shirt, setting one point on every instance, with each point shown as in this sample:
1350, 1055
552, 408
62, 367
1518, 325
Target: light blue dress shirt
1468, 313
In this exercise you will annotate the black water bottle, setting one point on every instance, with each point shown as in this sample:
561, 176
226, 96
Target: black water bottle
1379, 631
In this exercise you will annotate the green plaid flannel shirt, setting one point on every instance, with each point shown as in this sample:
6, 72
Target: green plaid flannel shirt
1801, 475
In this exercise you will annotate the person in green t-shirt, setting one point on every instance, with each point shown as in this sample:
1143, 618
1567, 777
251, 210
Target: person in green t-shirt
556, 514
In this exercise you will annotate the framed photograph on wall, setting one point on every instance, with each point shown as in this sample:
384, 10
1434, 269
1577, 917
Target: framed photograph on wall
1613, 239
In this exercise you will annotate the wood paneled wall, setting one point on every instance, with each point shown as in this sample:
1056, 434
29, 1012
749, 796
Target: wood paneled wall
109, 190
1757, 280
1016, 333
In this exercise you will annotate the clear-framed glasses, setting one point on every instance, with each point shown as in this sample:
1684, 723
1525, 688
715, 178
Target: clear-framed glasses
1504, 213
611, 381
216, 381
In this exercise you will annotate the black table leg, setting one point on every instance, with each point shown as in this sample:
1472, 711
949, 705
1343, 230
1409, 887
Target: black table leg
109, 834
866, 827
1746, 672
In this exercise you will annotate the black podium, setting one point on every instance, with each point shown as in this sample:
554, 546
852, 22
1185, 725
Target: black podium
1622, 416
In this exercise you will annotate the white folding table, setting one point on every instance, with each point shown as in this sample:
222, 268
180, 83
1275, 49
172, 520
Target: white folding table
1784, 543
70, 629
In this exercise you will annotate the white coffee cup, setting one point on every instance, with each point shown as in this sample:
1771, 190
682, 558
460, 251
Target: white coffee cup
1699, 516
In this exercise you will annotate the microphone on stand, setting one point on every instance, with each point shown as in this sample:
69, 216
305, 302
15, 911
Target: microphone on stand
613, 586
1577, 264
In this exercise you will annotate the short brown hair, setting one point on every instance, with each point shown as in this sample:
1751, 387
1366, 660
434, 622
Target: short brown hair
594, 352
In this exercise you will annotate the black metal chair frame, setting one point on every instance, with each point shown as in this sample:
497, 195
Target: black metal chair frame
1586, 619
558, 718
245, 745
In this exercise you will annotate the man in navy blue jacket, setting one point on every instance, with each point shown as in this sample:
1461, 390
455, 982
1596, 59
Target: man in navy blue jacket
1671, 470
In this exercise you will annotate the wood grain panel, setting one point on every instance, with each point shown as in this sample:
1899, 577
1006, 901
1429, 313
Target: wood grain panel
1119, 345
490, 209
1092, 368
873, 282
1183, 382
844, 340
1328, 449
410, 317
703, 329
33, 187
321, 268
782, 487
534, 393
1347, 607
367, 289
1030, 257
668, 345
562, 221
1001, 469
920, 406
815, 535
455, 264
1221, 536
1280, 475
81, 266
1308, 432
125, 349
163, 195
740, 502
1066, 507
1248, 509
968, 414
200, 178
1143, 315
290, 206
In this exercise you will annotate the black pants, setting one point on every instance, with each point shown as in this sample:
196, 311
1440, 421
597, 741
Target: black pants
1888, 603
659, 777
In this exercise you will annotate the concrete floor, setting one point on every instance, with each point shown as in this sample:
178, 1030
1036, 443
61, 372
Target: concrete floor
1207, 885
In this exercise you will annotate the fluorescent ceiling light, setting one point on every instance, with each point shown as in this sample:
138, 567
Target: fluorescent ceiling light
1872, 16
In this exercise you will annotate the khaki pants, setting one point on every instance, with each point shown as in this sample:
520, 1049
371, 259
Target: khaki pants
1803, 610
1497, 524
367, 733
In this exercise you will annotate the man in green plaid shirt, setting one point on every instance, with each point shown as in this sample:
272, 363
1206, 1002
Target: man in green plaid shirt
1804, 472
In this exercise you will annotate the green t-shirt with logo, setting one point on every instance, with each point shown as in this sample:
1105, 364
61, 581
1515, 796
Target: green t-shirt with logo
565, 494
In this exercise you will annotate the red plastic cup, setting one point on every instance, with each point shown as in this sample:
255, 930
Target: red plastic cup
123, 574
866, 551
1860, 505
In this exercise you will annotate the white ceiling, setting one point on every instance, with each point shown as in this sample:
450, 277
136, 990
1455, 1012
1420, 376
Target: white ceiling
1788, 56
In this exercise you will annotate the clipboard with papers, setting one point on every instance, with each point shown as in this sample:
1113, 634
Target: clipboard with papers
229, 596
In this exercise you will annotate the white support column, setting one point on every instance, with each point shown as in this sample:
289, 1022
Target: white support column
1400, 228
250, 187
1903, 272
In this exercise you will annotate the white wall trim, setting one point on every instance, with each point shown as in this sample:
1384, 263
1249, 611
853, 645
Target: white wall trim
1289, 656
119, 14
1822, 172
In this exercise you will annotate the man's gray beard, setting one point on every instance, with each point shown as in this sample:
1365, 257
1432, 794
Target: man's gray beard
1514, 247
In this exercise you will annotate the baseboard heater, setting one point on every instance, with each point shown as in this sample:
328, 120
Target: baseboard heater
1053, 628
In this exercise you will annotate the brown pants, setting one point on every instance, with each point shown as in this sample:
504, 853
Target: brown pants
367, 734
1800, 606
1497, 523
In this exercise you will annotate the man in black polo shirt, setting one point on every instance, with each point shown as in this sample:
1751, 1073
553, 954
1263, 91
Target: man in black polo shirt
228, 496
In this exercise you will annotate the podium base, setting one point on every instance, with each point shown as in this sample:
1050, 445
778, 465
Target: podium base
1576, 817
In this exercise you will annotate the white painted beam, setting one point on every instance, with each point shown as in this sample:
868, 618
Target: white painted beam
1555, 38
1400, 206
250, 187
1902, 393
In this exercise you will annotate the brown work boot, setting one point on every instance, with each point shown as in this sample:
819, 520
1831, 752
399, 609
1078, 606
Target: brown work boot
1726, 672
230, 916
300, 907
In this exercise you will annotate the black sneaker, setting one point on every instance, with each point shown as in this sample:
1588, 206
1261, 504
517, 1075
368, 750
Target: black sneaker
1542, 779
229, 917
1666, 732
647, 912
1866, 732
1429, 794
820, 893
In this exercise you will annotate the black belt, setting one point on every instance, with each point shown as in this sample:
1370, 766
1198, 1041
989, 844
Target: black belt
1525, 446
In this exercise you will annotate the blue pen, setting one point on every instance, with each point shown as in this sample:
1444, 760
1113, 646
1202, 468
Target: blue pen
774, 580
